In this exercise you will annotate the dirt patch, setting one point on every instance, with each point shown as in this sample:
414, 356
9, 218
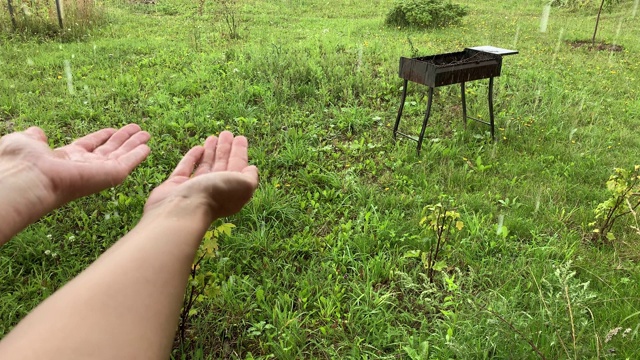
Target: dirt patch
600, 46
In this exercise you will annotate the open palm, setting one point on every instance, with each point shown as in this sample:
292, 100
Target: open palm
90, 164
216, 175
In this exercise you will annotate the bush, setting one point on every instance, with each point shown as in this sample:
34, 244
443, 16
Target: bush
582, 4
425, 14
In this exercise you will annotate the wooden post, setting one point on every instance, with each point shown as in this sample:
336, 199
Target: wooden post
59, 10
593, 40
13, 19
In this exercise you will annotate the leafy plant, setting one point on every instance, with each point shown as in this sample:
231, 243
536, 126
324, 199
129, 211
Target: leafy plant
582, 4
624, 187
228, 11
425, 14
201, 284
566, 300
440, 221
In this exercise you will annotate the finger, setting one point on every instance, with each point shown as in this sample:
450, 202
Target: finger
134, 157
187, 164
36, 133
238, 159
117, 139
92, 141
206, 162
136, 140
223, 151
252, 174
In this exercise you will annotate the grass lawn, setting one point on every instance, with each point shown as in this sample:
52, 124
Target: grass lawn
326, 261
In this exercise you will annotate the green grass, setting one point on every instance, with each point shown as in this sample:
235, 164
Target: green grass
316, 267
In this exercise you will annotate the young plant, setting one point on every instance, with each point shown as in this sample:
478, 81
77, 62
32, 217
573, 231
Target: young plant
440, 221
201, 284
228, 10
624, 187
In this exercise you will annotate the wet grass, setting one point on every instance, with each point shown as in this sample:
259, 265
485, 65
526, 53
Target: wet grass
320, 263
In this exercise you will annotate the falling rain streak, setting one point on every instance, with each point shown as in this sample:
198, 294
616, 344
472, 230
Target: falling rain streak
515, 39
635, 8
500, 223
557, 49
69, 76
615, 39
544, 21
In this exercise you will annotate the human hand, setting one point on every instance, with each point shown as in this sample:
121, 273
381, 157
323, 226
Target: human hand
88, 165
215, 177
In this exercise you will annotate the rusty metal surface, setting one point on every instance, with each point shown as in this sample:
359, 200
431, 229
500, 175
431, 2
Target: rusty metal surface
451, 68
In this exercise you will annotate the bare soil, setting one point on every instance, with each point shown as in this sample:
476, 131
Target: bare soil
599, 46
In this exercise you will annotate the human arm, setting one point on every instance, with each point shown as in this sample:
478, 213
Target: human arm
126, 304
35, 179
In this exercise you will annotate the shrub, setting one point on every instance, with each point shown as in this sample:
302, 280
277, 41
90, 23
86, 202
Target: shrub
624, 189
582, 4
425, 14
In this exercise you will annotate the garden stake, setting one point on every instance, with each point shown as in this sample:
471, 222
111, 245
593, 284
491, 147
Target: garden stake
13, 19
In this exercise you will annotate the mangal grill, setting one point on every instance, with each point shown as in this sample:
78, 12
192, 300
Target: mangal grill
474, 63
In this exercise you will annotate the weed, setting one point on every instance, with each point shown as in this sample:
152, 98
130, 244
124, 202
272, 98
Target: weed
202, 285
440, 221
624, 189
228, 10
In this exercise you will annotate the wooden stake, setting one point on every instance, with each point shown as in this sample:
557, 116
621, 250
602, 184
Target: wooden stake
13, 19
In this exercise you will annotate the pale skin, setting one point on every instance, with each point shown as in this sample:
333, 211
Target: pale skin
126, 304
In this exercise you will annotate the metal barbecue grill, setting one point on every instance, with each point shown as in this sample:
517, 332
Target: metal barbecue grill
474, 63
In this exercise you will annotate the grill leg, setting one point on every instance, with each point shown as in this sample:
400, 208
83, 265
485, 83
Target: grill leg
404, 96
493, 136
464, 104
426, 119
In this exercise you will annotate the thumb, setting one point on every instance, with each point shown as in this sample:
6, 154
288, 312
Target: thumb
36, 133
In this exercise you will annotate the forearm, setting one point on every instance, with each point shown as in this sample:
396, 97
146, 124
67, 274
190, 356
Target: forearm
125, 305
23, 199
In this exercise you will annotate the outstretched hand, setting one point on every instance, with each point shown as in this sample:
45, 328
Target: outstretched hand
215, 176
88, 165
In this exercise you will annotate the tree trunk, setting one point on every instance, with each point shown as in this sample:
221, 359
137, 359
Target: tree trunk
593, 40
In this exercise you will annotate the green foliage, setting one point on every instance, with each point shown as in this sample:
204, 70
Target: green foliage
39, 18
582, 4
624, 190
228, 12
316, 267
202, 287
425, 14
566, 301
440, 221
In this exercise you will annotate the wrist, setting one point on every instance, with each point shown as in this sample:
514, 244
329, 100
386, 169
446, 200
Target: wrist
183, 209
24, 197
